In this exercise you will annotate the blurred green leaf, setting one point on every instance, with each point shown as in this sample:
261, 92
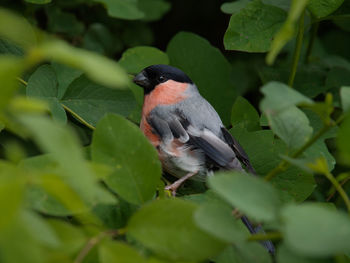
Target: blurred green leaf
10, 68
285, 255
62, 143
288, 29
39, 229
12, 185
137, 170
284, 4
265, 152
63, 22
124, 9
153, 9
305, 230
72, 238
245, 115
20, 32
219, 221
119, 252
253, 27
100, 39
98, 68
233, 7
43, 84
245, 253
91, 101
136, 59
180, 240
7, 47
322, 8
40, 2
345, 98
261, 203
207, 67
343, 140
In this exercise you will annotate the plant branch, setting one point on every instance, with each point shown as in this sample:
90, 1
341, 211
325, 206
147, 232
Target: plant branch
339, 188
78, 117
92, 243
266, 236
314, 29
297, 50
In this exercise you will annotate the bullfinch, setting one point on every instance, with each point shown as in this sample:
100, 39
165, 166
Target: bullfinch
187, 132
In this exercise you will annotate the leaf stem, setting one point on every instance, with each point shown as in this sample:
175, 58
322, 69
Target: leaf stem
339, 188
314, 29
266, 236
297, 50
92, 242
78, 117
25, 83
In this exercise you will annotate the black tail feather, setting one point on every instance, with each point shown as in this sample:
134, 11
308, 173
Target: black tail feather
267, 243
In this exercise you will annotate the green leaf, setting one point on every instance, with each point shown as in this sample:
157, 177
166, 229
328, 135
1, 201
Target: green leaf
65, 75
345, 98
252, 29
285, 255
245, 253
100, 69
10, 68
265, 152
296, 133
179, 240
136, 59
91, 101
137, 170
7, 47
100, 39
233, 7
207, 67
245, 115
319, 148
43, 84
124, 9
287, 31
305, 230
10, 185
72, 238
63, 22
20, 32
261, 203
39, 2
343, 140
153, 9
218, 220
322, 8
119, 252
279, 96
63, 144
283, 4
39, 229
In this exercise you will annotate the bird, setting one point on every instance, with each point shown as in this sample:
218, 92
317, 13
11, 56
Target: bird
187, 132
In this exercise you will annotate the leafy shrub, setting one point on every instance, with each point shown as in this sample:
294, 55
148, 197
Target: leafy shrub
80, 183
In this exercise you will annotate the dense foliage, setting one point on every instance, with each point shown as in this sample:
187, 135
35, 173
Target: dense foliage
79, 182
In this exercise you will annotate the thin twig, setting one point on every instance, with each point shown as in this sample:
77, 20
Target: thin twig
266, 236
314, 29
339, 188
297, 50
92, 243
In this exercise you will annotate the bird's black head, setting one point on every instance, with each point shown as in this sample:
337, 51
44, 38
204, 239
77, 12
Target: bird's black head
153, 75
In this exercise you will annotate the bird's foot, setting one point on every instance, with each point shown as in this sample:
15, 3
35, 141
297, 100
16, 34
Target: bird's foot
174, 186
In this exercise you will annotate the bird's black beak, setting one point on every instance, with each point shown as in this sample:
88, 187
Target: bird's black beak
141, 80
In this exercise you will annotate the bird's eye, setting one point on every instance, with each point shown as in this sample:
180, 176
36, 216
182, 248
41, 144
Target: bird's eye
161, 78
